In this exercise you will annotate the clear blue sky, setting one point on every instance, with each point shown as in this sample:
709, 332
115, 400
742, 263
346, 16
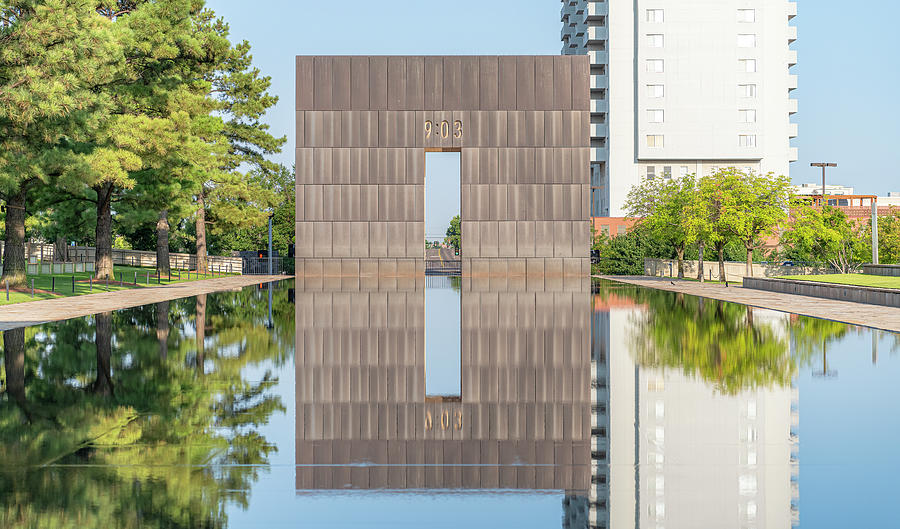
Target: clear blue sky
847, 62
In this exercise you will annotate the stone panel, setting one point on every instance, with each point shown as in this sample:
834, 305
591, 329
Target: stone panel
341, 83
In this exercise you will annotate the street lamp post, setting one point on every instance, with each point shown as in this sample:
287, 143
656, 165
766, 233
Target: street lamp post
823, 165
270, 244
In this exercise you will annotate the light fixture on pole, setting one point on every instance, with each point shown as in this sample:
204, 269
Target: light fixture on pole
823, 165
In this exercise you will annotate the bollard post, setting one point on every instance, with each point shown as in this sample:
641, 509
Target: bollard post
52, 283
32, 287
73, 284
7, 290
148, 278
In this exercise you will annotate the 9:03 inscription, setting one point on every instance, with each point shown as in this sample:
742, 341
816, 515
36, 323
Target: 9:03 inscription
442, 129
446, 421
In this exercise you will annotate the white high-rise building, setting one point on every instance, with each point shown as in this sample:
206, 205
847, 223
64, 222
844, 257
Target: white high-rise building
683, 87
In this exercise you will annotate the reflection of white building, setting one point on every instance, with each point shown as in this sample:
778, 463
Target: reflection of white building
681, 454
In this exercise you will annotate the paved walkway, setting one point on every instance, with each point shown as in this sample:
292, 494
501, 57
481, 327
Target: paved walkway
35, 312
886, 318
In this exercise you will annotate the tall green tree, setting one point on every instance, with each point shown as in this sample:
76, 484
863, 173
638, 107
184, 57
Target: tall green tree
55, 56
228, 198
762, 203
664, 207
719, 194
453, 233
825, 235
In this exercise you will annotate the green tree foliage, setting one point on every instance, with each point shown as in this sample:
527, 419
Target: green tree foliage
55, 55
727, 210
130, 420
888, 237
228, 198
727, 345
762, 203
664, 207
257, 237
139, 109
625, 254
453, 233
825, 235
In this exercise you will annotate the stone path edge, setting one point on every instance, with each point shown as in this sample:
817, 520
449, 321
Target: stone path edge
863, 314
46, 310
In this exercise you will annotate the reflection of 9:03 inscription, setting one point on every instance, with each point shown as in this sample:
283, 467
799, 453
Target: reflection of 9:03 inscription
446, 421
442, 129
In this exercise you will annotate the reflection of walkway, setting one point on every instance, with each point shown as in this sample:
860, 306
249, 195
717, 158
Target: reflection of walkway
887, 318
33, 312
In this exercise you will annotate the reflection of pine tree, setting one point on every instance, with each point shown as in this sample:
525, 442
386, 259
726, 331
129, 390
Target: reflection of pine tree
169, 448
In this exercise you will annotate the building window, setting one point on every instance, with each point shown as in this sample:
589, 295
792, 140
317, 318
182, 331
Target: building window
655, 140
746, 15
655, 65
667, 171
655, 41
621, 230
746, 41
656, 90
656, 116
747, 65
651, 172
747, 140
604, 229
746, 90
747, 116
684, 170
655, 15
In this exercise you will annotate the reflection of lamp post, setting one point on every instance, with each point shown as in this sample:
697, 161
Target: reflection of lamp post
825, 373
874, 347
269, 324
270, 243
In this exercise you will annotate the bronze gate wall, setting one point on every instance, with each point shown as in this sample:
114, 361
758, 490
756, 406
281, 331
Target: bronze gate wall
364, 124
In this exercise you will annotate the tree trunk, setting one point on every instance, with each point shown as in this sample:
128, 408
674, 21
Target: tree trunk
61, 249
162, 328
750, 260
200, 323
721, 249
14, 362
700, 262
679, 250
103, 256
201, 233
14, 246
103, 340
162, 242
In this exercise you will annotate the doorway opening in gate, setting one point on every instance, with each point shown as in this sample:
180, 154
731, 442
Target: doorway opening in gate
442, 213
443, 266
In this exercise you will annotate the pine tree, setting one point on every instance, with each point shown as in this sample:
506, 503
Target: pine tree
54, 54
226, 198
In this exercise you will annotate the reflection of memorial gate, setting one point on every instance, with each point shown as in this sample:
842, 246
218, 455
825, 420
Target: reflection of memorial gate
523, 420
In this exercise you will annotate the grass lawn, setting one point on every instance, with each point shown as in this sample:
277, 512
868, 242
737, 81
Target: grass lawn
47, 286
861, 280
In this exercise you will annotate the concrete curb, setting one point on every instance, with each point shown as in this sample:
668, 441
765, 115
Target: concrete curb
873, 296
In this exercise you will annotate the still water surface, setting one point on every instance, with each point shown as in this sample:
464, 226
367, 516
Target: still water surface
620, 407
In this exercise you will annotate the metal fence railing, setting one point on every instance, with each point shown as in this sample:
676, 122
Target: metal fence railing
446, 267
260, 266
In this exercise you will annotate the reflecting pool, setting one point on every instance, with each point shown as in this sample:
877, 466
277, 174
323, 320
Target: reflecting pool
447, 404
